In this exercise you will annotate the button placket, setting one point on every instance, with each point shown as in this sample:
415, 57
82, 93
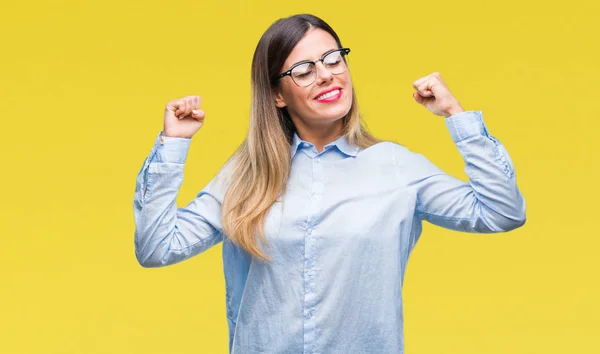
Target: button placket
310, 240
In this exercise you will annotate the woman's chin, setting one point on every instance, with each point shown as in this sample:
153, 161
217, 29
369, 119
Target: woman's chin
333, 113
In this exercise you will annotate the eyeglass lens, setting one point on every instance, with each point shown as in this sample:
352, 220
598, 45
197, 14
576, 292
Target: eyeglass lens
305, 74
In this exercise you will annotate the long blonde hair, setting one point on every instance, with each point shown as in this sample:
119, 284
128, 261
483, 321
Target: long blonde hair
260, 167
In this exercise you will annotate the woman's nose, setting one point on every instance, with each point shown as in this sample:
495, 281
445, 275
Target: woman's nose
323, 74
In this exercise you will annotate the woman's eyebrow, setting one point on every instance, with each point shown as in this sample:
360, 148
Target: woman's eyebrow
329, 50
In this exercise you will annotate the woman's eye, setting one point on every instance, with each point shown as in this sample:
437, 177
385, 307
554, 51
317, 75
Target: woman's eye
303, 74
334, 63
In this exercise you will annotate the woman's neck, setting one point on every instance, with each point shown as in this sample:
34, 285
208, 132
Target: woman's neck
321, 135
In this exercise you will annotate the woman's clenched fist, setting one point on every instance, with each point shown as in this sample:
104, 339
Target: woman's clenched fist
183, 117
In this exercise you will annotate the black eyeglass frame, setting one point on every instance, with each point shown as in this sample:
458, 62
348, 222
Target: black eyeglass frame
343, 52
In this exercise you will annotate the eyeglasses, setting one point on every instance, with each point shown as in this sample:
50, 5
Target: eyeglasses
304, 73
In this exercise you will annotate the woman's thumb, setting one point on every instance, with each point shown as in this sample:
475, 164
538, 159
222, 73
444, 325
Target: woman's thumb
198, 113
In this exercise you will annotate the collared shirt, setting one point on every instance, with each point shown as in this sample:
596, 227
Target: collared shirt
340, 236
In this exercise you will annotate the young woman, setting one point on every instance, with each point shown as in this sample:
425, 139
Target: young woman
317, 217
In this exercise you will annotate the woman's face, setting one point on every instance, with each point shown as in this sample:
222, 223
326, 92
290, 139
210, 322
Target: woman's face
301, 102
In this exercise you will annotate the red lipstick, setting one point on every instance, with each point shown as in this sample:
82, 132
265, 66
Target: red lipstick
331, 98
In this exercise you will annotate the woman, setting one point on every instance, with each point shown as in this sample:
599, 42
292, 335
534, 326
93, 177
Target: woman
317, 217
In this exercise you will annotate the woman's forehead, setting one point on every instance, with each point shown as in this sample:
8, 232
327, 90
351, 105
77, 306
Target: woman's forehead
314, 44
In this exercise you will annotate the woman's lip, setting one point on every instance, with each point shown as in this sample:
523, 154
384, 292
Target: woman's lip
327, 91
332, 98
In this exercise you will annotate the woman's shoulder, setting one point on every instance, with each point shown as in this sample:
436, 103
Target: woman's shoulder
387, 147
400, 156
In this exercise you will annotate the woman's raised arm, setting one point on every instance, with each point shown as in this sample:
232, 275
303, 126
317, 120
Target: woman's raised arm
165, 234
489, 202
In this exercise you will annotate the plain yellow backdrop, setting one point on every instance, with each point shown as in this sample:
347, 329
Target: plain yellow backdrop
83, 86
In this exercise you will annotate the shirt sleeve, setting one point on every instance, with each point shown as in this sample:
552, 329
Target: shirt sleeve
165, 234
489, 202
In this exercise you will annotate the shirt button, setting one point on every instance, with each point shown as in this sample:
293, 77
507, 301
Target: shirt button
309, 231
318, 159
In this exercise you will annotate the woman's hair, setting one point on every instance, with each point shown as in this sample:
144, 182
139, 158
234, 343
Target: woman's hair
260, 167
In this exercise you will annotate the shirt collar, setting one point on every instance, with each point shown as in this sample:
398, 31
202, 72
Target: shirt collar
341, 143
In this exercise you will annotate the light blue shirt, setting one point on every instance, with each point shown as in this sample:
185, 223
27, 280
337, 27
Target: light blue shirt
340, 236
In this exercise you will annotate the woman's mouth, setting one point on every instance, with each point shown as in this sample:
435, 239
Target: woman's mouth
330, 96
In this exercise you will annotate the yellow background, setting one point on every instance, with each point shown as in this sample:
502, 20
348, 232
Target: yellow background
83, 88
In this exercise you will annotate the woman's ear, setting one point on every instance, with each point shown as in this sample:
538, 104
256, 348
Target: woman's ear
279, 101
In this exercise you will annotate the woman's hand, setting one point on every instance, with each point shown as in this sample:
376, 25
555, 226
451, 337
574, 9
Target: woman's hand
433, 93
183, 117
